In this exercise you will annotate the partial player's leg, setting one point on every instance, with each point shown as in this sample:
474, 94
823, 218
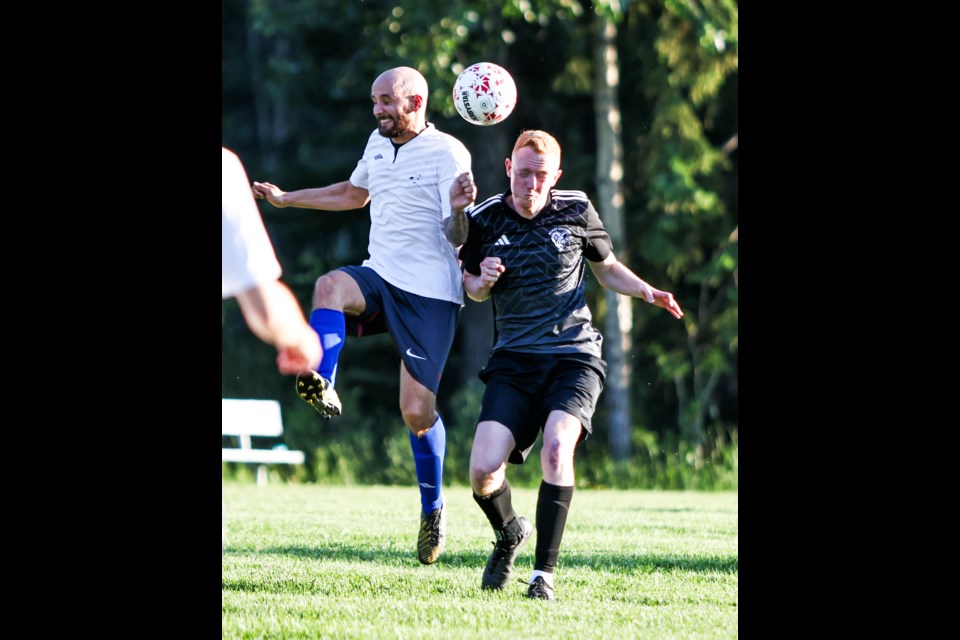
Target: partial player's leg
423, 330
507, 429
428, 441
560, 437
492, 445
573, 389
335, 294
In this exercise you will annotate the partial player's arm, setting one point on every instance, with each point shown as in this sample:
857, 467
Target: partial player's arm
616, 276
463, 193
273, 314
478, 287
341, 196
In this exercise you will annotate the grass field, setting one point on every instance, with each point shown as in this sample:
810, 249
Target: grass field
311, 561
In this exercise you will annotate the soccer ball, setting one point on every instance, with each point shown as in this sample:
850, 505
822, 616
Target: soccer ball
484, 94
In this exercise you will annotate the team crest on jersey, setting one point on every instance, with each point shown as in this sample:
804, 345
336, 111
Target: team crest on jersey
560, 237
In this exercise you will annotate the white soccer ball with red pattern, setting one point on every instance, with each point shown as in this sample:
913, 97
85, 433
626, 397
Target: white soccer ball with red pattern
484, 94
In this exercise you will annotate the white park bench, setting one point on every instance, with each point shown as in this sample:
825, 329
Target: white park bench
246, 418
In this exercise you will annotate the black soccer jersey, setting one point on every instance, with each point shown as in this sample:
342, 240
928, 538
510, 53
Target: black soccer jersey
539, 301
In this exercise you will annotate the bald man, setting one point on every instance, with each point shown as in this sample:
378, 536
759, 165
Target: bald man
410, 285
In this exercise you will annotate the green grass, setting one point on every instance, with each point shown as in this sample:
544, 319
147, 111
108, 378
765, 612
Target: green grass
311, 561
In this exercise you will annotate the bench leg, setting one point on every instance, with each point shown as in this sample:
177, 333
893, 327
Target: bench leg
262, 475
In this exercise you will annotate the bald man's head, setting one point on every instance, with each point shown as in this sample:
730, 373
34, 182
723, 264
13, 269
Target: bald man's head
400, 103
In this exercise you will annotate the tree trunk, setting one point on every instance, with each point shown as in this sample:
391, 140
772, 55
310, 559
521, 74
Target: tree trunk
271, 111
618, 315
693, 409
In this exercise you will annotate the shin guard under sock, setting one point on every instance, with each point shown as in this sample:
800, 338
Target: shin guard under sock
331, 326
553, 503
428, 453
498, 506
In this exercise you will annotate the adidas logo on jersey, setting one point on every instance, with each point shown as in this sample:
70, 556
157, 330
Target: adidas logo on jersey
503, 241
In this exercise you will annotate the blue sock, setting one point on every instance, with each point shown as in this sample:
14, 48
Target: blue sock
331, 326
428, 456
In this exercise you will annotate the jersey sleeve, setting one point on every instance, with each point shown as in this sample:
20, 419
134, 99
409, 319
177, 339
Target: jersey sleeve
247, 255
598, 240
360, 176
470, 251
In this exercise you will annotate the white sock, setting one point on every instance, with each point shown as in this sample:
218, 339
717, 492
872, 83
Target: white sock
547, 577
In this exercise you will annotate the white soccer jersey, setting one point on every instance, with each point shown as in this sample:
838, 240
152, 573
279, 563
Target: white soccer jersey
409, 199
247, 254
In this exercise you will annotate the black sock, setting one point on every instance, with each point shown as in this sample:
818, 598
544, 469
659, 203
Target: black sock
553, 503
498, 506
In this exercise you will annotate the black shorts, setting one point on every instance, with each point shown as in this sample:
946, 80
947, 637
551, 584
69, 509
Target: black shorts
522, 390
422, 328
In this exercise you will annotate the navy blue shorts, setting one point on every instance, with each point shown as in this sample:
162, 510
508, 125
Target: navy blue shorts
422, 328
522, 390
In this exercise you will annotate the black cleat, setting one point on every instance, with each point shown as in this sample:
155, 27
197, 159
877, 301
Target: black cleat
317, 392
500, 564
539, 589
433, 536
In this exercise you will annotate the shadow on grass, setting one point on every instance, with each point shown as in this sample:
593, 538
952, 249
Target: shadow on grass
614, 563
